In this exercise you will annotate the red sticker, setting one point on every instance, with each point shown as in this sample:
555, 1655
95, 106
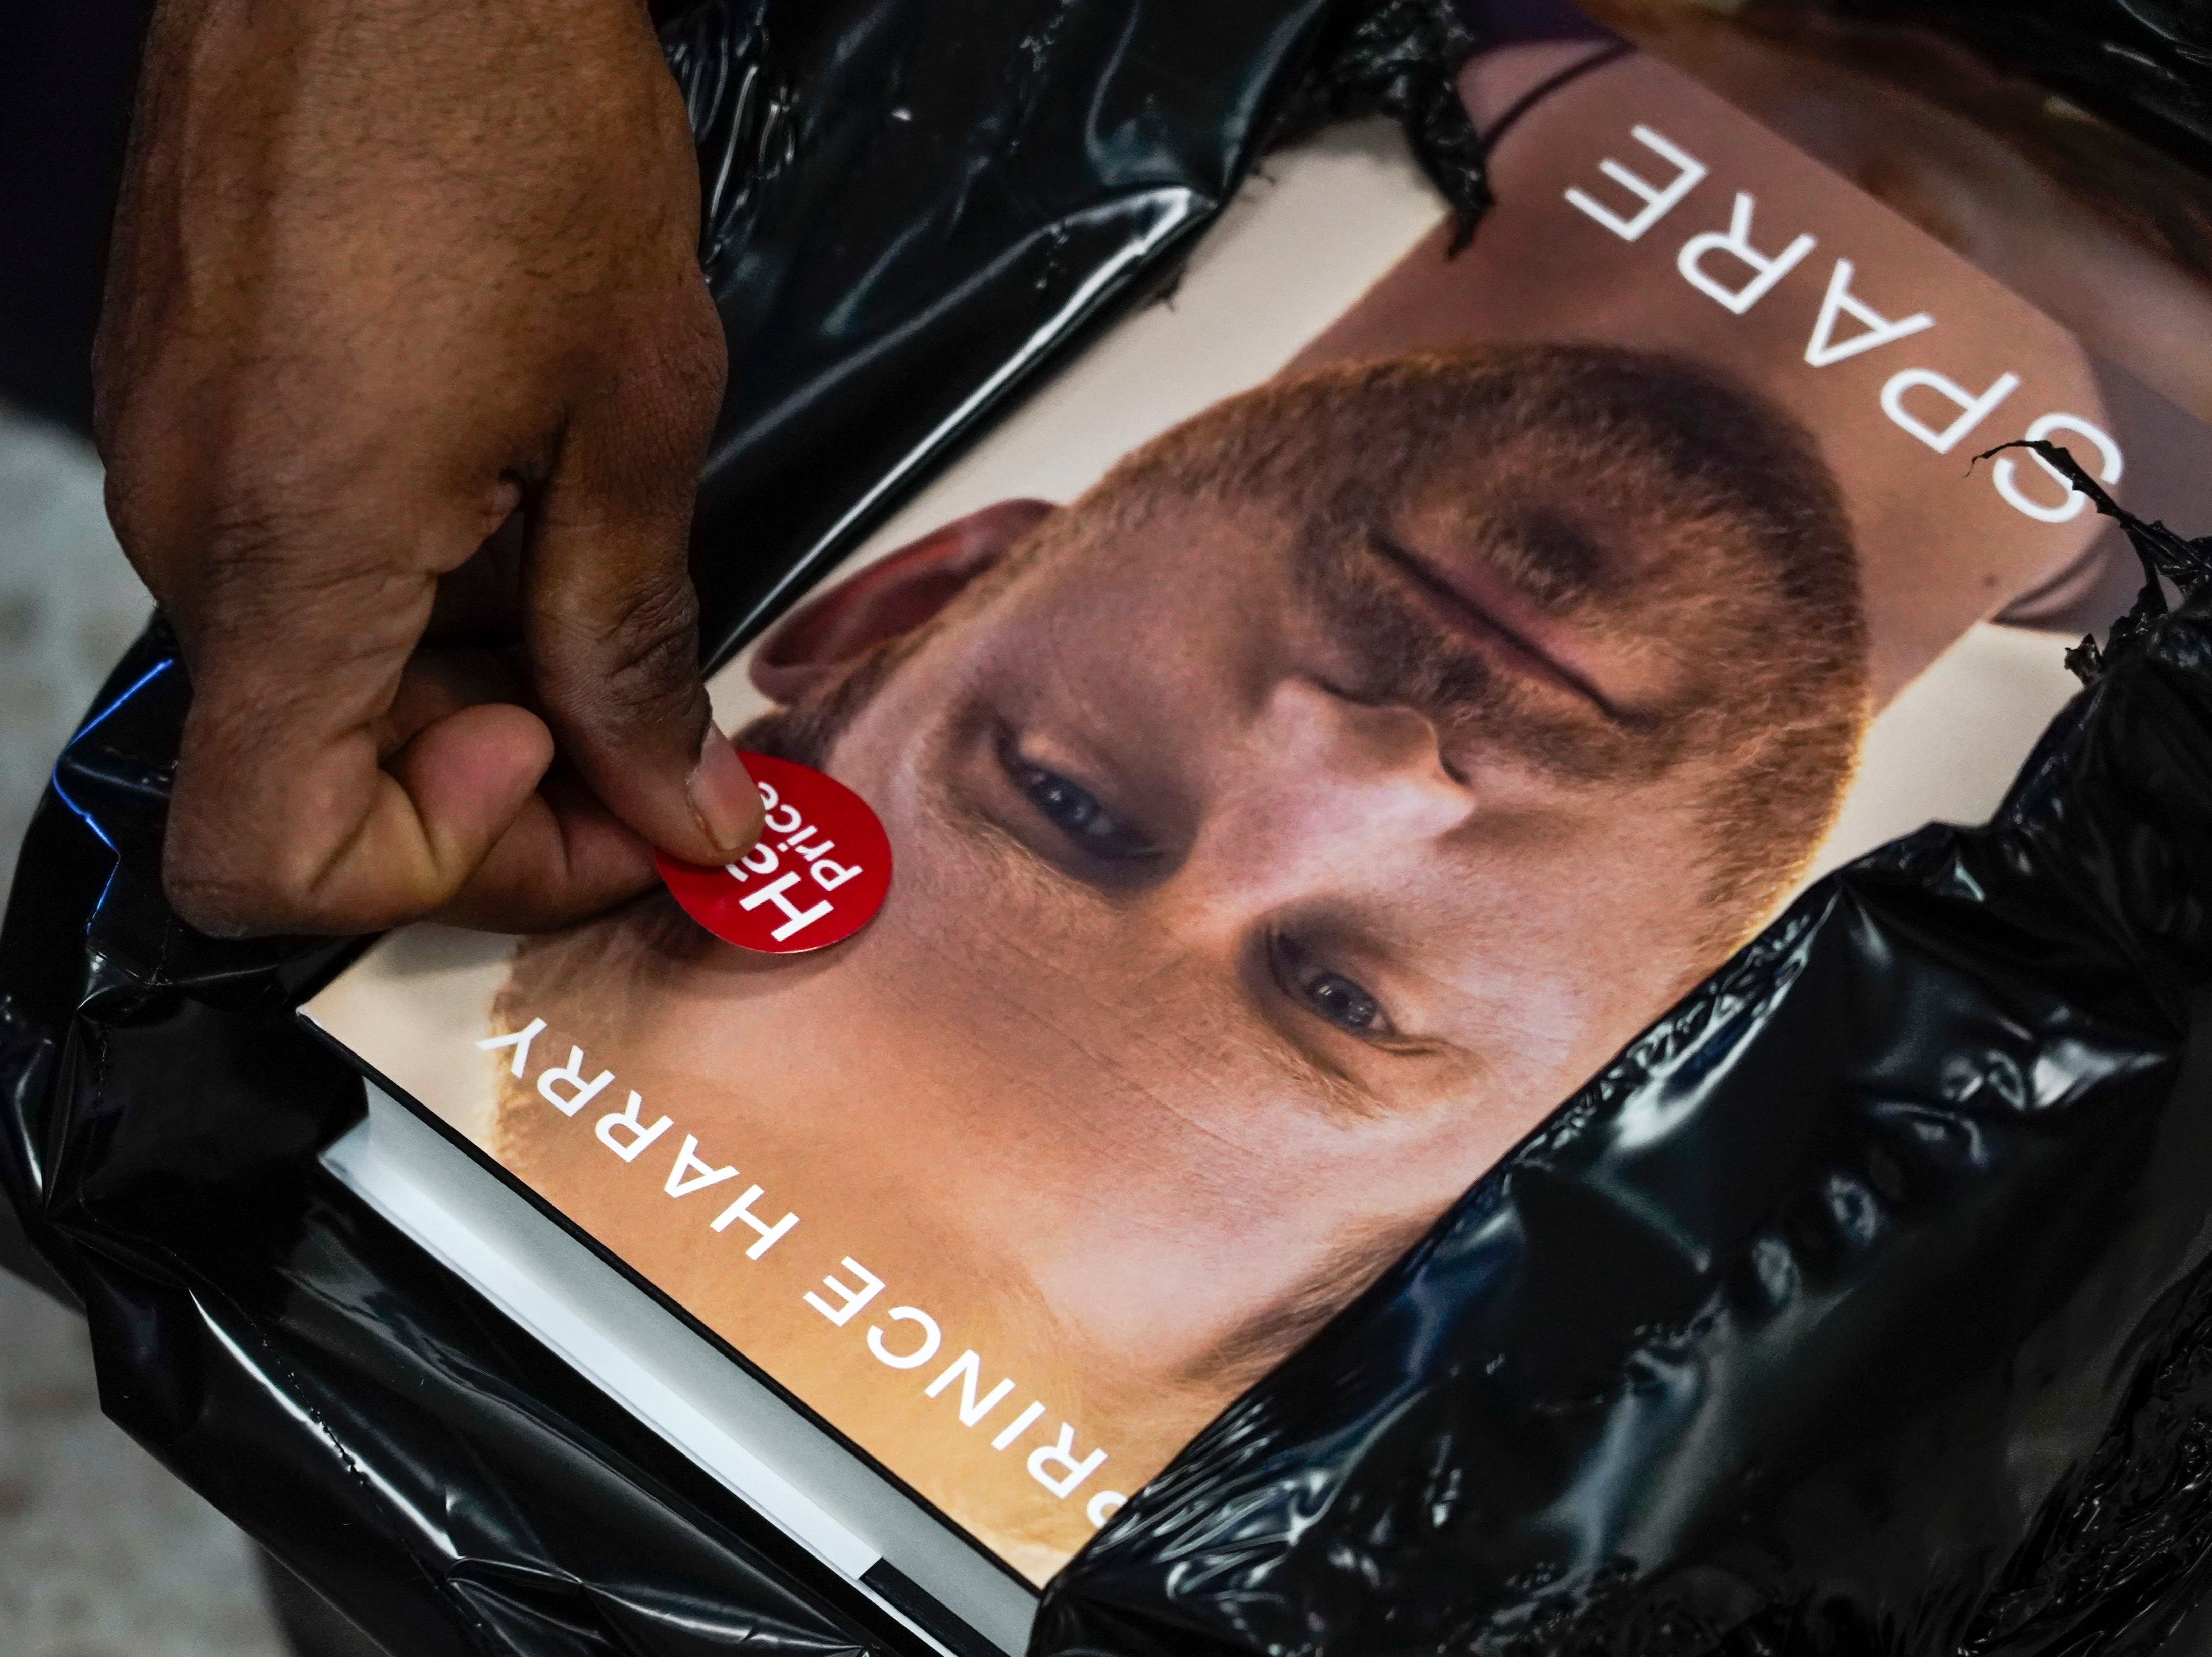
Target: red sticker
819, 874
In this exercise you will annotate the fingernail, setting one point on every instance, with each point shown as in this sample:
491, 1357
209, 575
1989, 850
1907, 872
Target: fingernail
723, 797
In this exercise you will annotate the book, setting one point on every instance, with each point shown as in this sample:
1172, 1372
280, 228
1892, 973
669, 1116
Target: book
1315, 732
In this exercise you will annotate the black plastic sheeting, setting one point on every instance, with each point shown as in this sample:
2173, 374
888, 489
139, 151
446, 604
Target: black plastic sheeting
1859, 1306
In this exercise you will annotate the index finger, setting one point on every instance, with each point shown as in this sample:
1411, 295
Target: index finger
284, 817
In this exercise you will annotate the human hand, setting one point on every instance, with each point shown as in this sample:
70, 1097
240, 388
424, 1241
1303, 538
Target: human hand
404, 376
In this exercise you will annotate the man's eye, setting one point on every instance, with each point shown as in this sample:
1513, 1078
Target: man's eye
1328, 994
1342, 1002
1076, 812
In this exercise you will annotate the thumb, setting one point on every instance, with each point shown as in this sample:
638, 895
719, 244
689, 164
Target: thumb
612, 631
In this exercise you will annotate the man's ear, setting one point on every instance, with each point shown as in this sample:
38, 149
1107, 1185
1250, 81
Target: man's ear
894, 595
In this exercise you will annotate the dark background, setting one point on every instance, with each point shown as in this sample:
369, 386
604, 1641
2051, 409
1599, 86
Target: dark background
65, 83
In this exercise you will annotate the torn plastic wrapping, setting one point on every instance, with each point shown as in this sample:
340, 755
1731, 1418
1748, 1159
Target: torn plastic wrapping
1859, 1306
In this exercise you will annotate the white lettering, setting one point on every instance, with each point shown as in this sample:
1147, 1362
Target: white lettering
931, 1336
1735, 242
743, 1210
745, 868
797, 921
830, 876
1104, 1505
627, 1121
692, 1172
519, 1042
1659, 200
854, 1299
792, 819
1063, 1455
969, 1368
1973, 410
572, 1073
2108, 466
1876, 329
1017, 1427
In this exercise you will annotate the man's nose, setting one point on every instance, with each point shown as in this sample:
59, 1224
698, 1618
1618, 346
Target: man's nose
1324, 773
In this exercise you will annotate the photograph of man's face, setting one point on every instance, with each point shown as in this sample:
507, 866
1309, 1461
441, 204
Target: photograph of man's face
1284, 826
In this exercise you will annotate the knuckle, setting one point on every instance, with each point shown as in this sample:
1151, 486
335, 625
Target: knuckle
269, 590
703, 358
233, 862
683, 370
215, 911
227, 895
218, 897
140, 494
222, 872
259, 529
130, 515
625, 668
650, 652
246, 554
